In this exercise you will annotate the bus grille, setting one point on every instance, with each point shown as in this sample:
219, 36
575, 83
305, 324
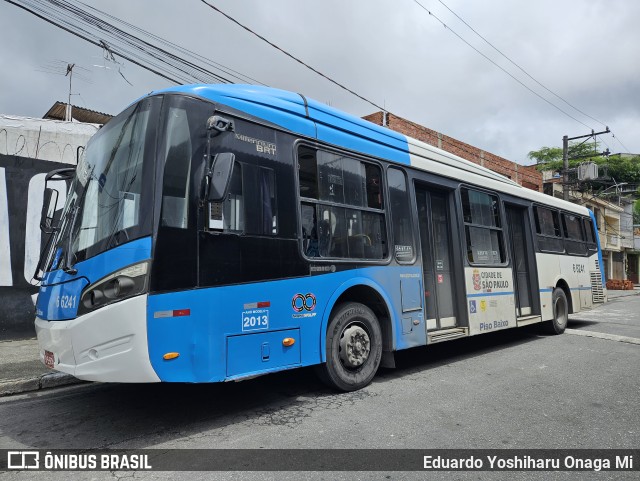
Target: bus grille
597, 294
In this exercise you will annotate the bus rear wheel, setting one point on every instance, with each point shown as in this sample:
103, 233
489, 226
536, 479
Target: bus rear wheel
560, 307
354, 348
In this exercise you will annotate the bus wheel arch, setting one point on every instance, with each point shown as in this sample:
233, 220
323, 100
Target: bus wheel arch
357, 331
366, 294
562, 284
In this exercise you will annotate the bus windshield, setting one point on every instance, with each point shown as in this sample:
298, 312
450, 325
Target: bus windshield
111, 198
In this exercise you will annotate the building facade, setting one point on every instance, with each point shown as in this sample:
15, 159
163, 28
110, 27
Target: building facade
526, 176
29, 149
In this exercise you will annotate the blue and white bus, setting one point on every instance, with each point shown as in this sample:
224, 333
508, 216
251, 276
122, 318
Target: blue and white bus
215, 233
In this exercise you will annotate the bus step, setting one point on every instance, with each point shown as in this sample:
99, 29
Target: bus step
447, 334
526, 320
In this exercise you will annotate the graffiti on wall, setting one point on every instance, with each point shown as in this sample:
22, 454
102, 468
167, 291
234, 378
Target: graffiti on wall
21, 192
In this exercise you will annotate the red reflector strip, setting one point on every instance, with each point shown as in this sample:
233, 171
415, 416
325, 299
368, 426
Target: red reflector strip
174, 313
257, 305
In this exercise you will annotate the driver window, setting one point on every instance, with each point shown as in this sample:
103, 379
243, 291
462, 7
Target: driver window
228, 215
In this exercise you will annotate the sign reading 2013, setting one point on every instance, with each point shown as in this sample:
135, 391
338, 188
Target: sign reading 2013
255, 320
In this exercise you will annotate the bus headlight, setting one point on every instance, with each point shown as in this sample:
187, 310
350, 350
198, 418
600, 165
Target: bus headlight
128, 282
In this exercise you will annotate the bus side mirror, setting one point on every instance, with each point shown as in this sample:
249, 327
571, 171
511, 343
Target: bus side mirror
49, 204
50, 198
220, 176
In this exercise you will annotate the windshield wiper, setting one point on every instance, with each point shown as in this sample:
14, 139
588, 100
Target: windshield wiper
115, 231
73, 215
68, 264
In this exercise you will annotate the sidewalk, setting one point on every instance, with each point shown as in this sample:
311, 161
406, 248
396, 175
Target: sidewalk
22, 370
613, 294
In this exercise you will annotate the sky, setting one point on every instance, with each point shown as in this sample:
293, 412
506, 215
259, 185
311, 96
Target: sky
393, 53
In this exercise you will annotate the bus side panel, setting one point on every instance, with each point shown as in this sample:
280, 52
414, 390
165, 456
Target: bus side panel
490, 299
408, 329
239, 331
575, 270
548, 274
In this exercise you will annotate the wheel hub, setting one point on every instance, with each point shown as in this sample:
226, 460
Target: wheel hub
355, 346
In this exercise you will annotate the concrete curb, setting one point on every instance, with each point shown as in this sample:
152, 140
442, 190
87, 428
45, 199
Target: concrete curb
619, 294
603, 335
45, 381
616, 293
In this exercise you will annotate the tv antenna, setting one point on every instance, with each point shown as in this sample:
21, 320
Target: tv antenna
67, 69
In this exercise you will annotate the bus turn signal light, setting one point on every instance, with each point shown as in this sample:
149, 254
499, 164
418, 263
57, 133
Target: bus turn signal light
288, 341
170, 355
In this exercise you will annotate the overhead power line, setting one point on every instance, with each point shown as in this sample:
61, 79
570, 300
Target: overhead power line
292, 56
231, 72
169, 61
517, 66
529, 75
497, 65
142, 48
40, 13
520, 68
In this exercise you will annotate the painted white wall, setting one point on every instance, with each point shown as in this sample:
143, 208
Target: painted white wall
42, 138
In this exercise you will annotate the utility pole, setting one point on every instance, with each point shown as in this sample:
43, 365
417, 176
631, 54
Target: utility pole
565, 158
565, 167
67, 115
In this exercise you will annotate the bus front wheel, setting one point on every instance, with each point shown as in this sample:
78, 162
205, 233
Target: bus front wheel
560, 307
354, 348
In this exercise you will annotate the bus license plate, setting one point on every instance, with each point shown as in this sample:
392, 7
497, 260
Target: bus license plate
49, 359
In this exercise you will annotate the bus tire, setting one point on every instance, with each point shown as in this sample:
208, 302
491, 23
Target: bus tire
560, 308
354, 348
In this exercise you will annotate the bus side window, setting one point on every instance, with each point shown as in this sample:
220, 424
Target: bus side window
574, 235
177, 167
341, 206
259, 200
548, 230
309, 230
308, 172
400, 216
590, 234
269, 206
229, 215
483, 228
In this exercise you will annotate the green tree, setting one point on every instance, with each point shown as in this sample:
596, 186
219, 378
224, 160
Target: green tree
550, 158
620, 168
624, 169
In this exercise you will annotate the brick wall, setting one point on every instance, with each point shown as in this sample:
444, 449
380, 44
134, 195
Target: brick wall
527, 176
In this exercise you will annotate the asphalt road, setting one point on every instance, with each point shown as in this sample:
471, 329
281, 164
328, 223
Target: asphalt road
514, 389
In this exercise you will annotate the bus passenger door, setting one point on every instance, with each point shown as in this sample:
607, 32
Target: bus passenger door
438, 270
522, 254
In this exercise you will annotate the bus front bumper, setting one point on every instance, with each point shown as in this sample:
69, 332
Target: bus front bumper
107, 345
